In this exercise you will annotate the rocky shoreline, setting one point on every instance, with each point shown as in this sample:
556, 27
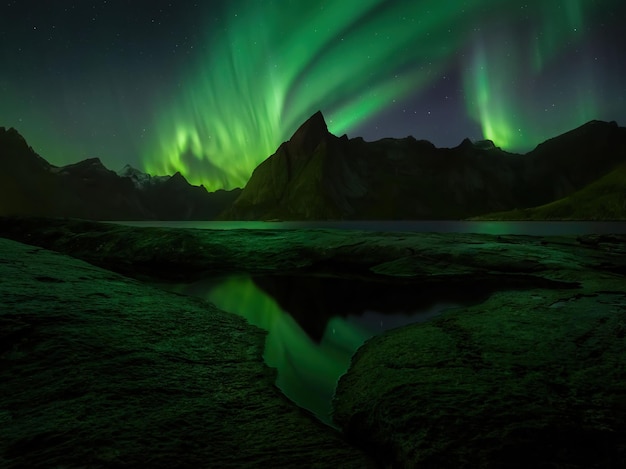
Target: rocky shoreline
100, 370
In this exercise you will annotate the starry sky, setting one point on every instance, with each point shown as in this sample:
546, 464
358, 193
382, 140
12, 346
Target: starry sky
211, 88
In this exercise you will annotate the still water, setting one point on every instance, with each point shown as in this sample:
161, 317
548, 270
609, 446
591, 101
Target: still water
537, 228
316, 324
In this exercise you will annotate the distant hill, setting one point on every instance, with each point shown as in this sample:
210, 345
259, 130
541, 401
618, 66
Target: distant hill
316, 175
603, 199
29, 185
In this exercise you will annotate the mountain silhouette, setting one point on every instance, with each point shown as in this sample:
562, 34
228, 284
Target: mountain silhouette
29, 185
317, 175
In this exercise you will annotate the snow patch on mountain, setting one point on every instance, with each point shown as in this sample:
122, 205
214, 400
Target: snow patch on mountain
140, 179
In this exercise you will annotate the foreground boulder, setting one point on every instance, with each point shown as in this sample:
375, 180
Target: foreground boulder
525, 379
97, 370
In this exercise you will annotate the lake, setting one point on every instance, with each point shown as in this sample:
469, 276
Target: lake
315, 324
536, 228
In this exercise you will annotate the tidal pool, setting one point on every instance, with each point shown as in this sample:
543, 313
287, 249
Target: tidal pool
315, 324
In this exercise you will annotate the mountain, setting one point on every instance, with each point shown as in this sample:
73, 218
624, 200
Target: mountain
140, 179
565, 164
21, 172
603, 199
175, 199
316, 175
29, 185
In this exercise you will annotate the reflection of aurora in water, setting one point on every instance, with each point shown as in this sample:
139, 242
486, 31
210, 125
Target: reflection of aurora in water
307, 371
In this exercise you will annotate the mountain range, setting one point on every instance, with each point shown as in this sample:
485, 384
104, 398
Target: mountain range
318, 176
29, 185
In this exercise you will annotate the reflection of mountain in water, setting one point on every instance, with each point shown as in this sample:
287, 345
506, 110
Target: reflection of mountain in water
314, 300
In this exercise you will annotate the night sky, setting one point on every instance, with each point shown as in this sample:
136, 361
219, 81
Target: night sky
211, 88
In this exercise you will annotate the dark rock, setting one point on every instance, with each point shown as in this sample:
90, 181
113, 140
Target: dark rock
184, 255
521, 380
532, 376
97, 370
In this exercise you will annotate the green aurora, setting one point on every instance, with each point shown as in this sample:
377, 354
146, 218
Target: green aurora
276, 62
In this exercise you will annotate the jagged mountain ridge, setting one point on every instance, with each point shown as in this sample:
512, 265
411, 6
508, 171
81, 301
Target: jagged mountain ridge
29, 185
316, 175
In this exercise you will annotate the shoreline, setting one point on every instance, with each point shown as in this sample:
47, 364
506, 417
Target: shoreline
552, 326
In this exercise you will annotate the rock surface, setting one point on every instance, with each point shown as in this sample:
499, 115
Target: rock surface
525, 379
533, 376
97, 370
188, 254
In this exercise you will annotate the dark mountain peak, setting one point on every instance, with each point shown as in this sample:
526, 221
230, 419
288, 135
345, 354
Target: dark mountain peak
591, 129
178, 178
95, 161
12, 133
591, 126
15, 151
128, 171
485, 145
315, 122
13, 142
591, 134
91, 168
310, 134
599, 123
466, 144
89, 164
140, 179
177, 181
